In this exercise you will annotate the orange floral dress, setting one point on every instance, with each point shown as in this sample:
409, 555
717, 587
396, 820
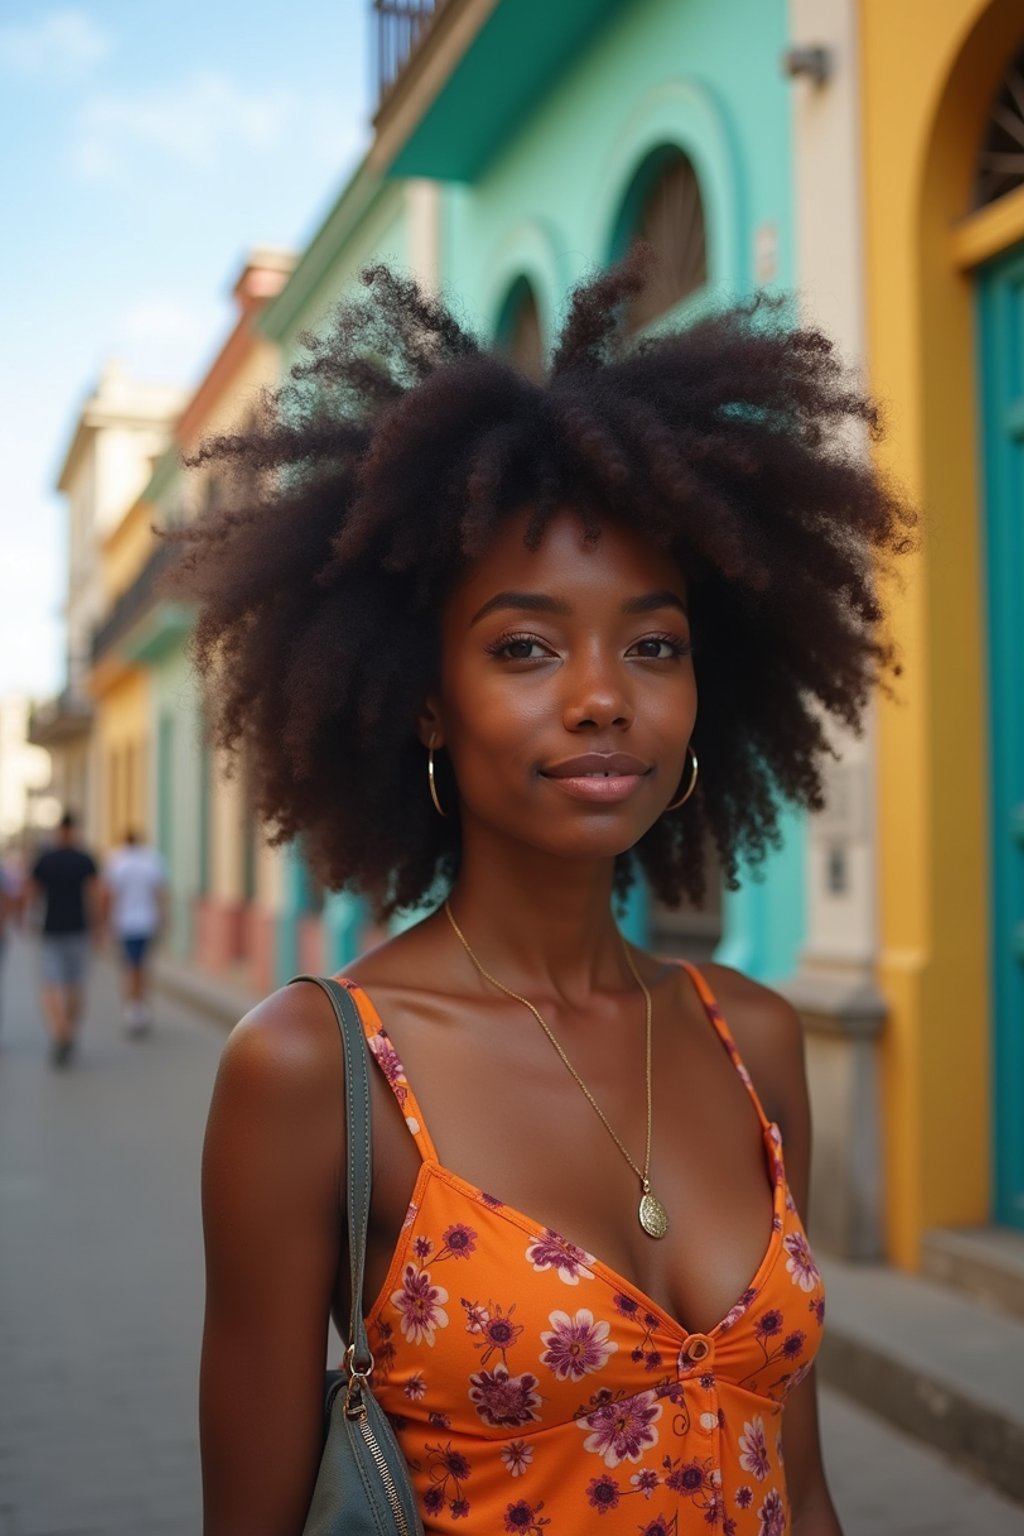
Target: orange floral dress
534, 1390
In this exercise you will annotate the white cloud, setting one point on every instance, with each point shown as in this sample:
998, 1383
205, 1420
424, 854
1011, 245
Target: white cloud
204, 121
58, 45
193, 123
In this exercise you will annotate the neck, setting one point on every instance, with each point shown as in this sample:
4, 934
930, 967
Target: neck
542, 926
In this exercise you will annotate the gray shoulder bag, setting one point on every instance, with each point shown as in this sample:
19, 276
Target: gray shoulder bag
363, 1487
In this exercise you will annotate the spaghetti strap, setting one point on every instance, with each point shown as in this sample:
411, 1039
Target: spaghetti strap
386, 1057
717, 1018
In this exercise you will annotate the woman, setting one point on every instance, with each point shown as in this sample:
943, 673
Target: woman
512, 645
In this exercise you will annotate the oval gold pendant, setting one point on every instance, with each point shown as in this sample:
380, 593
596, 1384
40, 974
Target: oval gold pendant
653, 1216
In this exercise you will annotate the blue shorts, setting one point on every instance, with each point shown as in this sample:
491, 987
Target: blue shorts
135, 946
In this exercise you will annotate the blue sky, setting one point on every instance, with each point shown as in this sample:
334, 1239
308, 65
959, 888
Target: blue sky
145, 148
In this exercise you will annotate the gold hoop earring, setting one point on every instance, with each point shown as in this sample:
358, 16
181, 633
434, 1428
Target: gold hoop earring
689, 788
432, 781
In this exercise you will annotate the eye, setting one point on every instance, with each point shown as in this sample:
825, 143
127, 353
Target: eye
517, 648
661, 647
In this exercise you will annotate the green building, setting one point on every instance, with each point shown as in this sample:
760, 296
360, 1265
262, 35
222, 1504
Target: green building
520, 146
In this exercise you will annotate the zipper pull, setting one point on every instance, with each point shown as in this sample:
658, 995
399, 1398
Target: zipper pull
358, 1383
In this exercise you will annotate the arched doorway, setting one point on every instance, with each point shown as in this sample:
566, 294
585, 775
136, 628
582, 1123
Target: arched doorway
663, 207
927, 113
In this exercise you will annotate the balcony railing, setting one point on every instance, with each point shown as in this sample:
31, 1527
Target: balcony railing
400, 25
59, 719
136, 600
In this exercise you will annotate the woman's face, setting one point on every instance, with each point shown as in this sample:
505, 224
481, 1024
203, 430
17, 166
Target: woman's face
567, 695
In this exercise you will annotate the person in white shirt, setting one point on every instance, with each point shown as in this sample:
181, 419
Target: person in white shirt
135, 885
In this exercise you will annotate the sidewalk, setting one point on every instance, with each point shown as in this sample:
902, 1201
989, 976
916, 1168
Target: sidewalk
101, 1298
100, 1270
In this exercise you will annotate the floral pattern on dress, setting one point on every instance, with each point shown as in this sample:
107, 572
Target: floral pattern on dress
504, 1399
800, 1264
622, 1430
525, 1518
772, 1515
576, 1346
535, 1390
549, 1251
516, 1455
495, 1328
448, 1471
754, 1456
457, 1242
419, 1305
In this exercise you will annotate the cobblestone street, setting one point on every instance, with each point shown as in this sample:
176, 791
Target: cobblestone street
101, 1297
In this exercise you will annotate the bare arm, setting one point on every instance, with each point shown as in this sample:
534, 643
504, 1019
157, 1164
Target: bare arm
813, 1511
773, 1048
97, 905
273, 1170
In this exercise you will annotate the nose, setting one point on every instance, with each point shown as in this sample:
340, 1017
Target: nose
597, 695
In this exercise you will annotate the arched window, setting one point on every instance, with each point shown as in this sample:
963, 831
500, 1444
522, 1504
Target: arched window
1000, 166
520, 335
664, 208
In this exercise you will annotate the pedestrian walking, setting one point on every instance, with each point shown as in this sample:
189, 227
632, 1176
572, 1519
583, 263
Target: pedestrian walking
134, 884
469, 678
63, 880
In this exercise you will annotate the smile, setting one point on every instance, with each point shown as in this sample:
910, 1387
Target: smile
602, 778
597, 764
599, 788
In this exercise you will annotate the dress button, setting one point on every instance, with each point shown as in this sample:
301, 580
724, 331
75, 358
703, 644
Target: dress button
698, 1347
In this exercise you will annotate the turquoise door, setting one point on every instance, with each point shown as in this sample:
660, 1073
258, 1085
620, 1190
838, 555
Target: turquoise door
1001, 336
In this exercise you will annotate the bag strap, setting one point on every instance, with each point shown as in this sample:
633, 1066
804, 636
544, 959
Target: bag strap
358, 1360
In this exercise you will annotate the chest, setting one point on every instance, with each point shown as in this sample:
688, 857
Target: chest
507, 1118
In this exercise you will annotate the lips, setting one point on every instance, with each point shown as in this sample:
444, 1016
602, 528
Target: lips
597, 765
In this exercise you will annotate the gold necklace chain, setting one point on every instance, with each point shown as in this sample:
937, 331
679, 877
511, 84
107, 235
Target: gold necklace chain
652, 1215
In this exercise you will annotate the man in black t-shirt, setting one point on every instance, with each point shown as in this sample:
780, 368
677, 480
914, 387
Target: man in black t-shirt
64, 878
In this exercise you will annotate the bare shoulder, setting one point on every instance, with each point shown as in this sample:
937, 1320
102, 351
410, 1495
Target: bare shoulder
770, 1038
284, 1055
754, 1010
274, 1151
292, 1031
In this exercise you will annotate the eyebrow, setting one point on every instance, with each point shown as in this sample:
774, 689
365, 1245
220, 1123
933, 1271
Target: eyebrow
540, 602
650, 602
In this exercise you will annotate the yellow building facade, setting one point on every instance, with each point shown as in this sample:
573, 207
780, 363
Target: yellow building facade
120, 691
932, 73
234, 912
123, 426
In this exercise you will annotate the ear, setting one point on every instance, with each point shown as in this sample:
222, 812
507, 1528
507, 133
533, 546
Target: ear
429, 727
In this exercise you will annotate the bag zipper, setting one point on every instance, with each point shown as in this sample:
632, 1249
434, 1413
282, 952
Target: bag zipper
355, 1408
385, 1472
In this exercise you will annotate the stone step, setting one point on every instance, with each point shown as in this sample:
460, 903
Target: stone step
938, 1364
984, 1262
887, 1483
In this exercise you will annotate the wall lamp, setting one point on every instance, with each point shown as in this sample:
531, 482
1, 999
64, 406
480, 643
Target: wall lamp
813, 63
